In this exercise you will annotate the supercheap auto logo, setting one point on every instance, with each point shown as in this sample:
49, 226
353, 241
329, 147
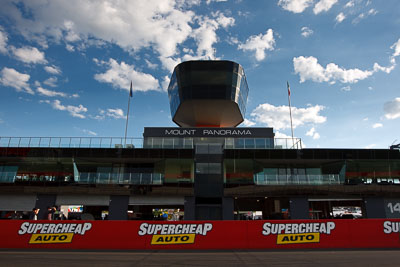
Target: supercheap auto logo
391, 227
165, 234
297, 233
51, 233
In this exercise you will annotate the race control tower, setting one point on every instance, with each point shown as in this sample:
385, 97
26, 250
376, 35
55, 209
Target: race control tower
207, 100
208, 94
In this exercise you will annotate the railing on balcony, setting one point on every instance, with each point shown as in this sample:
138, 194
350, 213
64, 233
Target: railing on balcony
151, 143
88, 178
323, 179
71, 142
120, 178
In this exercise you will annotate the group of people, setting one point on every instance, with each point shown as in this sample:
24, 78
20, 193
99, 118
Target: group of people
52, 213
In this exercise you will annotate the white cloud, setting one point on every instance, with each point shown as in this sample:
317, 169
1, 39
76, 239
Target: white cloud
29, 54
282, 135
12, 78
3, 41
365, 119
259, 43
165, 83
323, 6
70, 48
396, 47
371, 12
316, 136
378, 67
313, 133
74, 111
50, 93
89, 132
222, 20
209, 1
340, 17
52, 69
346, 88
161, 26
206, 35
71, 35
308, 68
295, 6
120, 75
132, 25
305, 32
247, 123
169, 63
150, 65
115, 113
349, 4
278, 116
370, 146
377, 125
52, 81
233, 40
392, 109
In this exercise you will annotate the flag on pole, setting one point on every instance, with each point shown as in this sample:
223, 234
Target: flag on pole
290, 111
130, 91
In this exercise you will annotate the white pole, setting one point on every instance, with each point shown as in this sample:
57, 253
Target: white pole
290, 112
127, 113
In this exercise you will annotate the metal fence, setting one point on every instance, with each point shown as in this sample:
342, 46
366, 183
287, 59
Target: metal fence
71, 142
323, 179
88, 178
152, 143
120, 178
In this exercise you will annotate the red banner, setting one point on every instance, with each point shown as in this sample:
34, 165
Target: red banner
288, 234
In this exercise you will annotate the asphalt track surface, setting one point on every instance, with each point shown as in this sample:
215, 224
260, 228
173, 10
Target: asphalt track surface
322, 258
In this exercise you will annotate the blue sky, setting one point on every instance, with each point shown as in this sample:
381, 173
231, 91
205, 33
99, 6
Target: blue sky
65, 66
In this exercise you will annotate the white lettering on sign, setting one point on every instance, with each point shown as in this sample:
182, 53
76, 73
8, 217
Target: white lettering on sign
394, 208
170, 229
391, 227
297, 228
226, 132
208, 132
52, 228
179, 132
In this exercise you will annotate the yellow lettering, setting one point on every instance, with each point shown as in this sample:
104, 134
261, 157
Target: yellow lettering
51, 238
173, 239
297, 238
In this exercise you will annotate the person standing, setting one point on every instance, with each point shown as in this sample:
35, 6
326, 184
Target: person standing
34, 214
50, 213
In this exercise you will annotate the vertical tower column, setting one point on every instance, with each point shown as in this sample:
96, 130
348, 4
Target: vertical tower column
209, 182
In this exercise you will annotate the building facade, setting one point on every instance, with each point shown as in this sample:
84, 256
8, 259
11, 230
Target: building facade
205, 169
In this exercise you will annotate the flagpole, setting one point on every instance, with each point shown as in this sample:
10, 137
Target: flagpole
127, 114
290, 112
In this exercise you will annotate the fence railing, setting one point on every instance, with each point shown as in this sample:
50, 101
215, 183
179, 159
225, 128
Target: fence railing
88, 178
151, 142
323, 179
120, 178
71, 142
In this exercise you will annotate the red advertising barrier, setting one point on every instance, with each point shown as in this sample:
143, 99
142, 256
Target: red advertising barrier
288, 234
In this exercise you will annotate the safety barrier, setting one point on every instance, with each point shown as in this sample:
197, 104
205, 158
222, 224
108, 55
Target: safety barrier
139, 235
